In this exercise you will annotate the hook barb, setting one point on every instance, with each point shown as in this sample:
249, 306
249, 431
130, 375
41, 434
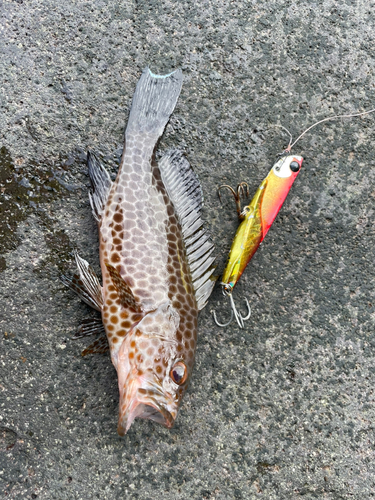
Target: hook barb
222, 324
242, 190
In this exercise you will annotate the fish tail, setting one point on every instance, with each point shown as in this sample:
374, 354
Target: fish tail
153, 103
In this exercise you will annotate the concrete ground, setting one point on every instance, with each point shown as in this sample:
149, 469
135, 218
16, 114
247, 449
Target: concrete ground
283, 409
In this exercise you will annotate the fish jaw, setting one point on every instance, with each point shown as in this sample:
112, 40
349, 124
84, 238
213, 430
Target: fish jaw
143, 403
141, 397
143, 393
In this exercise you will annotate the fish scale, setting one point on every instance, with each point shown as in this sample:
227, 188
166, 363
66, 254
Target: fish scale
150, 268
155, 259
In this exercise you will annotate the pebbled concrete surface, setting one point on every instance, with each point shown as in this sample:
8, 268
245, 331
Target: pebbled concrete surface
281, 410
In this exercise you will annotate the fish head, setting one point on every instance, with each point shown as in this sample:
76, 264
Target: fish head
153, 369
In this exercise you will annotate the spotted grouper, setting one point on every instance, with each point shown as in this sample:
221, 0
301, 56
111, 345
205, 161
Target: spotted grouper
156, 261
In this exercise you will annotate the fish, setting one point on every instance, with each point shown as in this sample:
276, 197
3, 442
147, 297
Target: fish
256, 219
156, 260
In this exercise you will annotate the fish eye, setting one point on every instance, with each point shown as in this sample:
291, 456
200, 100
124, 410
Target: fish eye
294, 166
179, 373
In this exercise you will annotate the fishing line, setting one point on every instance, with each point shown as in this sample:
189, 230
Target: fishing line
330, 118
335, 117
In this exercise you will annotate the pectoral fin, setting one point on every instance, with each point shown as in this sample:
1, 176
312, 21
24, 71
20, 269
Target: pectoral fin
85, 284
89, 326
99, 346
126, 295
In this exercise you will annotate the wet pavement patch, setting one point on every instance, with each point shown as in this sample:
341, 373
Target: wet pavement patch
22, 194
8, 439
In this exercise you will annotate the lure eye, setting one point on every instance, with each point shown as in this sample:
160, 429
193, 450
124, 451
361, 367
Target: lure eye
179, 373
294, 166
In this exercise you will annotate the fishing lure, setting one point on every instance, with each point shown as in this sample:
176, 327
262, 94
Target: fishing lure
257, 217
155, 259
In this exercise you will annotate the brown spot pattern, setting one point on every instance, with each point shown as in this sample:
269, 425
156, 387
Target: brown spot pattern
141, 236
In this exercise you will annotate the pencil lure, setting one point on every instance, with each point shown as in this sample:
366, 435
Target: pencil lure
256, 220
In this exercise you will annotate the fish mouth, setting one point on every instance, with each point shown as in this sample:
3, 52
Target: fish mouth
143, 394
150, 405
150, 410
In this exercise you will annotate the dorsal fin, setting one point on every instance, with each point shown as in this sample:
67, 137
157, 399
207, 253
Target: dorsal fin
126, 295
185, 192
101, 185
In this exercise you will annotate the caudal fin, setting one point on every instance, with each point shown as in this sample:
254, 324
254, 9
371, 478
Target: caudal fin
153, 103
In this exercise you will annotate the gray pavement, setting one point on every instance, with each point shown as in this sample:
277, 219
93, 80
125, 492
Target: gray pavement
281, 410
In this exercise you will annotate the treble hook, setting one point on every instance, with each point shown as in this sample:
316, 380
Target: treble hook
240, 319
242, 190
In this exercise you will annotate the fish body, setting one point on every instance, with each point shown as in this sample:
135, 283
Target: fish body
155, 259
258, 216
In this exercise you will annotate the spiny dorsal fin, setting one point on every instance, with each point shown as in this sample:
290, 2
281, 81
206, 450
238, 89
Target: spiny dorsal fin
184, 190
85, 284
101, 185
126, 295
99, 346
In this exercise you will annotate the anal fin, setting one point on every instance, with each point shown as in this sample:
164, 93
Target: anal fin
126, 295
101, 185
99, 346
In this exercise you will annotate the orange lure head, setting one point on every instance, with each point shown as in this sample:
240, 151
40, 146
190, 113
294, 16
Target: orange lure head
279, 182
